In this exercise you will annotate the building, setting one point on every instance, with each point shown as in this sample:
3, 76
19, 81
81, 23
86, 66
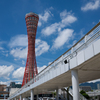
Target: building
85, 88
3, 87
14, 85
3, 91
31, 66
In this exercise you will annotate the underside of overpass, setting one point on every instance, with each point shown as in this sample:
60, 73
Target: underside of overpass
87, 71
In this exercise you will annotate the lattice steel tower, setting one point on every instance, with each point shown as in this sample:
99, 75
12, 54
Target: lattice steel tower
31, 66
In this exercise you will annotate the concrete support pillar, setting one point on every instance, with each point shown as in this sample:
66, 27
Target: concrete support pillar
15, 98
23, 98
32, 95
57, 93
4, 96
75, 84
20, 97
65, 95
98, 97
37, 96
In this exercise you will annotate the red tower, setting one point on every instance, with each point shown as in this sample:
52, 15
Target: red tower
31, 66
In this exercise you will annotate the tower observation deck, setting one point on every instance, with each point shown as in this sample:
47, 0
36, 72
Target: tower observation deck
31, 66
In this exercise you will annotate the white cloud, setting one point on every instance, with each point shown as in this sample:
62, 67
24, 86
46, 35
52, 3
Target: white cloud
41, 47
19, 83
44, 18
19, 49
23, 62
4, 52
50, 29
65, 13
62, 38
19, 40
66, 19
19, 46
1, 48
15, 59
41, 68
39, 23
5, 83
19, 52
91, 5
19, 73
5, 71
6, 55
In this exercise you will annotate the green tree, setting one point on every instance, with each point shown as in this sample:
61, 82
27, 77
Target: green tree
54, 94
82, 91
84, 94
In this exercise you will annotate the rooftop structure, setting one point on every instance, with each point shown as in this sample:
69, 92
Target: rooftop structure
14, 85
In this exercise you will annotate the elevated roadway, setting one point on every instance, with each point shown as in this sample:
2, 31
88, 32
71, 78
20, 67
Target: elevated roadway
81, 63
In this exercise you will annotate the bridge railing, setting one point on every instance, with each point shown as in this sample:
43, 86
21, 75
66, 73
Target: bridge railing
89, 38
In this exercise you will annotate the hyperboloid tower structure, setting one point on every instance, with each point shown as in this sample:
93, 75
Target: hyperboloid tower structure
31, 66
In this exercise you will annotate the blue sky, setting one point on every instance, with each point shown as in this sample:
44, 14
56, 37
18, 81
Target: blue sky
61, 25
